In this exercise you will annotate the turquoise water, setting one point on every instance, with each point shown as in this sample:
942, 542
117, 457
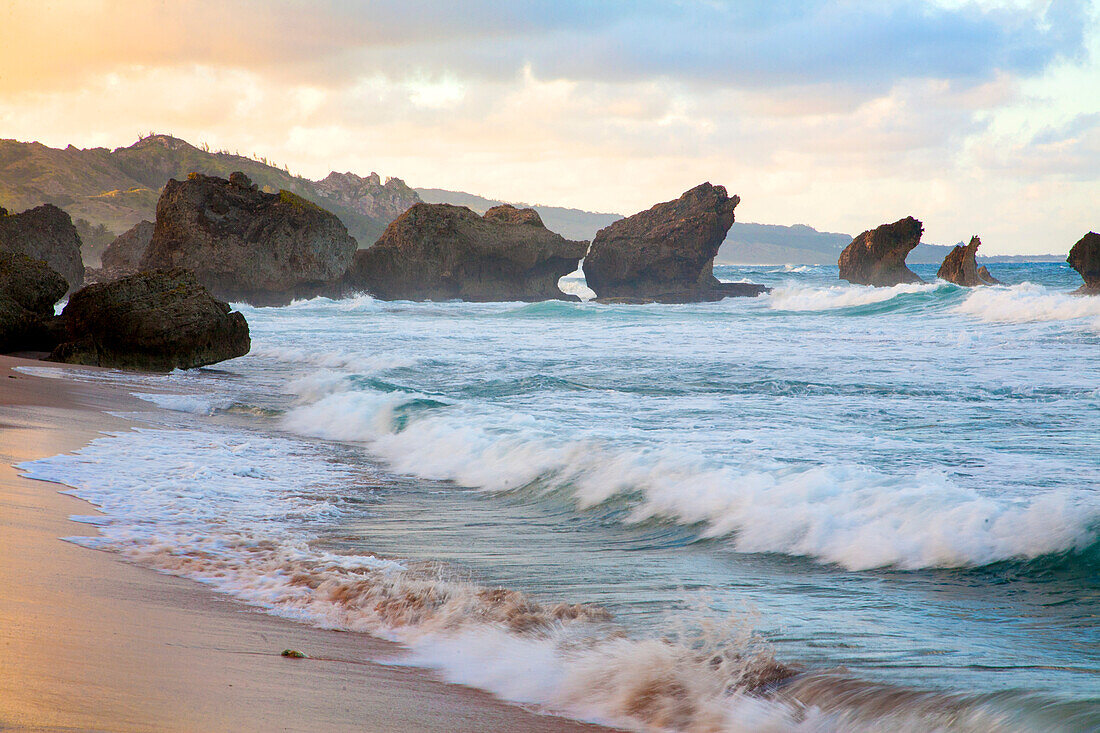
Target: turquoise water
897, 486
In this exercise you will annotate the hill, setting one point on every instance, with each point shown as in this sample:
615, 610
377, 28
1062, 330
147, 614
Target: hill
115, 189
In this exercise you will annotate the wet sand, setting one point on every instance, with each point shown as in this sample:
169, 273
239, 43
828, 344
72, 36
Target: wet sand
88, 642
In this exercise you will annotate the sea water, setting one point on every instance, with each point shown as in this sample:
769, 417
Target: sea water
831, 507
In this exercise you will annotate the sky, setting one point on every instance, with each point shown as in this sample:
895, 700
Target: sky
977, 117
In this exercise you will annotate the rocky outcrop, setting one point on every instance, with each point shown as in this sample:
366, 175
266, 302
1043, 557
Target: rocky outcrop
368, 196
28, 290
151, 321
666, 254
961, 267
244, 244
1085, 258
123, 255
877, 257
45, 233
444, 252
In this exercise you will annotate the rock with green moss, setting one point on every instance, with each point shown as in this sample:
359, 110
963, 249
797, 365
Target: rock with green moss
150, 321
247, 245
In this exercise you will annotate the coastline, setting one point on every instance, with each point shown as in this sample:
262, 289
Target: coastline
90, 642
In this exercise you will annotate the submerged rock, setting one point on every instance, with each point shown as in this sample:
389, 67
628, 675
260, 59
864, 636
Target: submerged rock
961, 267
123, 256
445, 252
877, 257
45, 233
244, 244
151, 321
666, 253
28, 290
1085, 258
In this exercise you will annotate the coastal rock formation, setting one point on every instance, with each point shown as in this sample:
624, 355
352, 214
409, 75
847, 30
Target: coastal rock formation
45, 233
244, 244
152, 321
28, 290
666, 254
961, 267
1085, 258
123, 255
877, 257
444, 252
368, 196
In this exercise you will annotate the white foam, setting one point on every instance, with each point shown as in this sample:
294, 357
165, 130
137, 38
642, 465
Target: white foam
852, 516
575, 284
1029, 303
804, 298
192, 403
352, 361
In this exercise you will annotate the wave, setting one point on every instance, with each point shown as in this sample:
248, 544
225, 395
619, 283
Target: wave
804, 298
1029, 303
843, 514
232, 511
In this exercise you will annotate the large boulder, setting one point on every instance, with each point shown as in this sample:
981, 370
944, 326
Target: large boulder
151, 321
45, 233
1085, 258
444, 252
666, 254
877, 257
961, 267
123, 256
28, 290
244, 244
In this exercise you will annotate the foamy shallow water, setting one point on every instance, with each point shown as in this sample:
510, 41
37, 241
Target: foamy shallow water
901, 482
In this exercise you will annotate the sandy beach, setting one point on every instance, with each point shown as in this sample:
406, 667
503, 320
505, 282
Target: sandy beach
88, 642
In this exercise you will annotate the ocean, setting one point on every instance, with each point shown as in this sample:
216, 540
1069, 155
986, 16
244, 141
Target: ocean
829, 508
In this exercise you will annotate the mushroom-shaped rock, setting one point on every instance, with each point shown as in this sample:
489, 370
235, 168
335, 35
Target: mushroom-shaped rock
1085, 258
45, 233
28, 290
877, 257
123, 255
244, 244
666, 253
444, 252
152, 321
961, 267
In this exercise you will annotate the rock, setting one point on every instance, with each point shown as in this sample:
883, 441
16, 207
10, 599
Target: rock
45, 233
28, 290
666, 254
1085, 258
368, 196
983, 273
877, 257
244, 244
961, 268
151, 321
123, 255
444, 252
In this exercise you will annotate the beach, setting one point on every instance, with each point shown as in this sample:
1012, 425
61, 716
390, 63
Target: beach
89, 642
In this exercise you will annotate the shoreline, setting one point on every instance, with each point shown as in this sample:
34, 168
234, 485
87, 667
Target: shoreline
91, 642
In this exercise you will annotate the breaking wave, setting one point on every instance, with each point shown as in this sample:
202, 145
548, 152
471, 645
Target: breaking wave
166, 494
844, 514
1029, 303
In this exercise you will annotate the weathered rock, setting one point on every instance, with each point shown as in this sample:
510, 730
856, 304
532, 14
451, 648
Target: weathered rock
28, 290
961, 267
151, 321
123, 255
1085, 258
368, 196
45, 233
244, 244
666, 254
444, 252
877, 257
